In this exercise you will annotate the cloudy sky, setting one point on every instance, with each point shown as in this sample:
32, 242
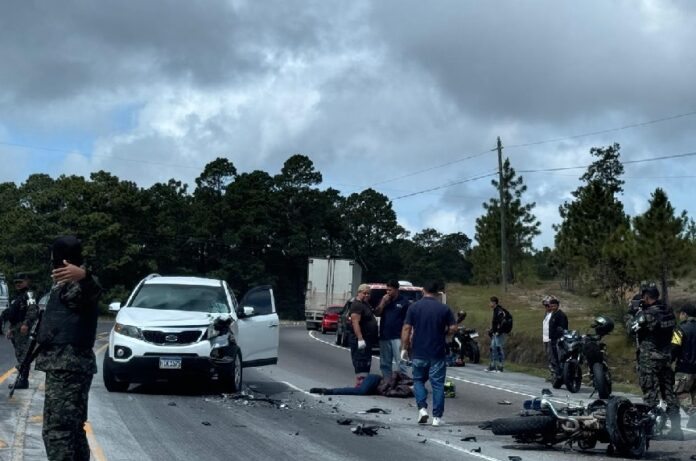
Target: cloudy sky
403, 96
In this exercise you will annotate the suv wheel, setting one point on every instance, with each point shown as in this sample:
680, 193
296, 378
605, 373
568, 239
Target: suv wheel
233, 381
110, 381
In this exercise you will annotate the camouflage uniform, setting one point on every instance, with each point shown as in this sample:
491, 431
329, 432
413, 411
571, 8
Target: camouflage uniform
20, 313
684, 351
656, 376
67, 336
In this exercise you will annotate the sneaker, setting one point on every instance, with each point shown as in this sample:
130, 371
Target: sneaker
500, 369
437, 421
422, 416
490, 368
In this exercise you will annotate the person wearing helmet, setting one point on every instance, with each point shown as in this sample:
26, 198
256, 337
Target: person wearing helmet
654, 326
555, 323
21, 315
684, 352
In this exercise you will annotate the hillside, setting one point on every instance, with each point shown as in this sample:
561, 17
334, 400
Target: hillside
524, 350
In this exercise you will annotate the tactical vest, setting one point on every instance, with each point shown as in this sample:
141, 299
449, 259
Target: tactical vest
686, 362
18, 308
63, 325
660, 326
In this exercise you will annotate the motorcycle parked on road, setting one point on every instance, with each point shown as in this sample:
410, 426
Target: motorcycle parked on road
627, 427
464, 343
575, 349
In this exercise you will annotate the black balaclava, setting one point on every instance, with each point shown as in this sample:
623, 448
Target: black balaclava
67, 248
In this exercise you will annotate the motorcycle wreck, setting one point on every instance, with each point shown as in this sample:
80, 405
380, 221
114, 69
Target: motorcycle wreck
626, 427
463, 344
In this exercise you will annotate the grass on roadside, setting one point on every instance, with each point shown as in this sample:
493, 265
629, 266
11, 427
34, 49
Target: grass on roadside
524, 349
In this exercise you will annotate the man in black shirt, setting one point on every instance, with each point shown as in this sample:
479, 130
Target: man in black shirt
364, 335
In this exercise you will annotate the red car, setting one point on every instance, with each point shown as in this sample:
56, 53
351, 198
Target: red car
330, 321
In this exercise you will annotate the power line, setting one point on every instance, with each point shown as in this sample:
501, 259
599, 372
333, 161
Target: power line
449, 184
608, 130
643, 160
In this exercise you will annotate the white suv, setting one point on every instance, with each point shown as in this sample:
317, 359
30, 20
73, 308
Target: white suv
188, 327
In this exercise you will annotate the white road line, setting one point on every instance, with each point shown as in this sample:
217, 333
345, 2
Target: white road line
300, 390
463, 450
476, 383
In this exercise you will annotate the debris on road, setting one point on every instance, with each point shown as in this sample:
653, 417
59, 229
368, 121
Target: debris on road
423, 441
469, 438
476, 450
365, 430
172, 404
205, 423
375, 410
515, 458
505, 402
344, 422
486, 425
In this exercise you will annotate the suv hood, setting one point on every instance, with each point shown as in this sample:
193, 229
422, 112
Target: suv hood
141, 318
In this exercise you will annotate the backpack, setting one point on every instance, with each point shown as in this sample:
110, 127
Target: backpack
506, 324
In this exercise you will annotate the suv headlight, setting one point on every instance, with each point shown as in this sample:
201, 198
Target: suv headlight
128, 330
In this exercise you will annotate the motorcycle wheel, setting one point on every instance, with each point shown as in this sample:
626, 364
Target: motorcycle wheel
587, 444
572, 376
601, 380
475, 353
527, 425
625, 430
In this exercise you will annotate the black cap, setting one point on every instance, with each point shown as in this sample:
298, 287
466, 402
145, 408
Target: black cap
21, 276
689, 309
68, 248
651, 291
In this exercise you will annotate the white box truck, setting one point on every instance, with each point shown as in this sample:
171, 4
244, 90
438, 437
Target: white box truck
330, 281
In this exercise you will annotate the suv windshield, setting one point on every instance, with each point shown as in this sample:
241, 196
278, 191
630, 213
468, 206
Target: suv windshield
194, 298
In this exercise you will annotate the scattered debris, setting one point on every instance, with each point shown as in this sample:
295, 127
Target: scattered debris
469, 438
172, 404
505, 402
375, 410
297, 433
476, 450
547, 391
344, 422
515, 458
423, 441
205, 423
486, 425
283, 406
365, 430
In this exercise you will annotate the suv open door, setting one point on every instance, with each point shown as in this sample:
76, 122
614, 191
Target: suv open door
257, 327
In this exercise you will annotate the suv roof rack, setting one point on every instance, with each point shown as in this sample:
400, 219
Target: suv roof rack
151, 276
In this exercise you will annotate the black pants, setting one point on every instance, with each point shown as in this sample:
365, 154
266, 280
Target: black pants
362, 358
554, 363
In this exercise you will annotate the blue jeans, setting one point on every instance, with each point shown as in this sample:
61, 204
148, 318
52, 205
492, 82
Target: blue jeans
497, 351
367, 387
390, 352
435, 371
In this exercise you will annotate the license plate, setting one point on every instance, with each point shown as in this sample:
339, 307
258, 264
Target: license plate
473, 335
170, 363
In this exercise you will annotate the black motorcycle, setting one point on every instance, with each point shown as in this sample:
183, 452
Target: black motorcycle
464, 343
627, 427
575, 349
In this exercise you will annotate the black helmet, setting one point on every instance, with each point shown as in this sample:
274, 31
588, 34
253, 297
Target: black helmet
602, 325
651, 291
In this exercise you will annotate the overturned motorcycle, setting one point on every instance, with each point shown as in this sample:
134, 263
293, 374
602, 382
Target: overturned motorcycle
627, 427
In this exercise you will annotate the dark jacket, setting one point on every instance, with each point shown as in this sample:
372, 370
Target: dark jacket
71, 315
557, 325
498, 318
684, 346
657, 329
16, 313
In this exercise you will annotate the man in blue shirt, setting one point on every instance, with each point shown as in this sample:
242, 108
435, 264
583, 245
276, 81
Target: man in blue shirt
426, 326
392, 310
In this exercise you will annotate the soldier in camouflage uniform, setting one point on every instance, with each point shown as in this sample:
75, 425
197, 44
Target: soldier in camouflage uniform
654, 325
66, 337
684, 352
21, 316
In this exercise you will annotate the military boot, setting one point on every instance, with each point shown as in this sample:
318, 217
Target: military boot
20, 384
675, 433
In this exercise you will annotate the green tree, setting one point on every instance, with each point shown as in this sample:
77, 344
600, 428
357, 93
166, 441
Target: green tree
592, 222
521, 226
662, 244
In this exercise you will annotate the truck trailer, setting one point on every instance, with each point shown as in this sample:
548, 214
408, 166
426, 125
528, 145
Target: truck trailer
330, 281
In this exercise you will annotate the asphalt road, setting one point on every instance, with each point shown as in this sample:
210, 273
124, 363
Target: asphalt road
274, 418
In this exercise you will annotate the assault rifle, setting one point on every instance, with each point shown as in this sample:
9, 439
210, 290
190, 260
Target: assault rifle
34, 348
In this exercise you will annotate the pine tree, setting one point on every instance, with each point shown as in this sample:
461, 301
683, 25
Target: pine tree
521, 228
662, 242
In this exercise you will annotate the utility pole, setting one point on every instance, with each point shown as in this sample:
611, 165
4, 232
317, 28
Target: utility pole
503, 239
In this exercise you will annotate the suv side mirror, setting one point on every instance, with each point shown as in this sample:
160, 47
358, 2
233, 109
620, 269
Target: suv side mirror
248, 311
115, 306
